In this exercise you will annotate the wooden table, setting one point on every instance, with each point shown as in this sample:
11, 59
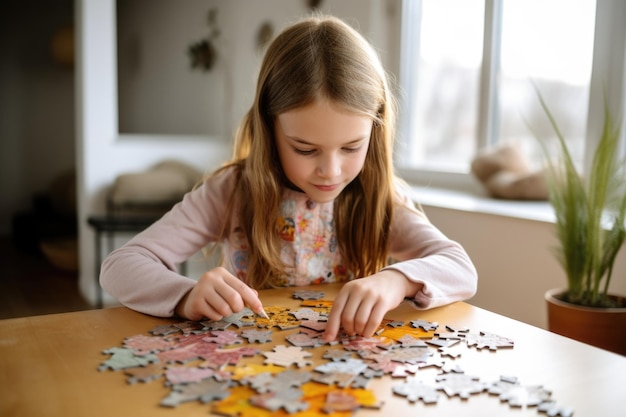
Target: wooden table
48, 366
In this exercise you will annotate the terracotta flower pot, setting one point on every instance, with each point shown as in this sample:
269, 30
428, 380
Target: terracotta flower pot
601, 327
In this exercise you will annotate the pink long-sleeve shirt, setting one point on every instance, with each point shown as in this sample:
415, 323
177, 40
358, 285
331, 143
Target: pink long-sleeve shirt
142, 274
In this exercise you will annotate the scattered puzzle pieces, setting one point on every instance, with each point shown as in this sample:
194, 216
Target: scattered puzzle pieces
202, 361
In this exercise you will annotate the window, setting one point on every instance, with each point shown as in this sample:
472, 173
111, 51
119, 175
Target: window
470, 67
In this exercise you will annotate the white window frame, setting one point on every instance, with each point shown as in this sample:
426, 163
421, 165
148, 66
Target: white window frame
608, 83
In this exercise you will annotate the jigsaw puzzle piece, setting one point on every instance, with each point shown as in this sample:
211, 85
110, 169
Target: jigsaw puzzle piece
268, 381
189, 374
488, 340
340, 401
425, 325
223, 338
305, 340
142, 344
286, 356
525, 395
308, 295
220, 357
205, 391
146, 373
324, 304
289, 399
415, 390
122, 358
257, 336
237, 404
552, 409
461, 385
251, 369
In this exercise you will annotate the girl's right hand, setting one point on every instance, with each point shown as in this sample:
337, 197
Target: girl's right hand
217, 294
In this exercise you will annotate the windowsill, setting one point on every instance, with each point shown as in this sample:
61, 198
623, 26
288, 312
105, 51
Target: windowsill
472, 202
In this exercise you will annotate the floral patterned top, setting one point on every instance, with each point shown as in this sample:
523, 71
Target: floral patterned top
308, 243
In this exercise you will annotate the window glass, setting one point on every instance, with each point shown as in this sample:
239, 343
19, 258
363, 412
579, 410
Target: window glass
440, 126
548, 43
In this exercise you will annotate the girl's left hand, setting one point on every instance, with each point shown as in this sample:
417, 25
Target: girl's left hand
361, 304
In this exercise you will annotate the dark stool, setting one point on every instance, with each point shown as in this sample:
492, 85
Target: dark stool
108, 225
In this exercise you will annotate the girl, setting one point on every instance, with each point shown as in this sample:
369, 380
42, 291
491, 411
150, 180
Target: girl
310, 196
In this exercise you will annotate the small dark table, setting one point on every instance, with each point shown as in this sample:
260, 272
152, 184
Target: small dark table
110, 224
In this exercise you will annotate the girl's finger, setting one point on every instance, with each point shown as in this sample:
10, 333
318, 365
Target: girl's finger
334, 318
362, 316
349, 313
375, 318
227, 300
209, 312
249, 296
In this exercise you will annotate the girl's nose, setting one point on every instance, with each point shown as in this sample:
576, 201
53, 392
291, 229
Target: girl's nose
329, 166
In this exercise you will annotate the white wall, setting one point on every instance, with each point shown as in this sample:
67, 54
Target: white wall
514, 259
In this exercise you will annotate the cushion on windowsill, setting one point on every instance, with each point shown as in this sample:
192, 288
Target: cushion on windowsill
161, 185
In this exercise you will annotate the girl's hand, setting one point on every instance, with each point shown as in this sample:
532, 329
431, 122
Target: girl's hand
362, 303
216, 295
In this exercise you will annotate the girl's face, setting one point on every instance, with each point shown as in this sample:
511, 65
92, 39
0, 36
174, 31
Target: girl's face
322, 148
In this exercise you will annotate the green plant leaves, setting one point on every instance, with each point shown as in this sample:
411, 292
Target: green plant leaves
589, 213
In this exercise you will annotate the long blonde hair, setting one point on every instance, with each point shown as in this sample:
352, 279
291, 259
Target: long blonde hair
318, 57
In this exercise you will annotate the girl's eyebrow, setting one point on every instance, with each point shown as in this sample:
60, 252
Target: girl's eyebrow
304, 142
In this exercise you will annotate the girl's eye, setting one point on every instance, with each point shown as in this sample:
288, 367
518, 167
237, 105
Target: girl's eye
351, 150
303, 151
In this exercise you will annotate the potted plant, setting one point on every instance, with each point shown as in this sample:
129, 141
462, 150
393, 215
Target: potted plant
590, 212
